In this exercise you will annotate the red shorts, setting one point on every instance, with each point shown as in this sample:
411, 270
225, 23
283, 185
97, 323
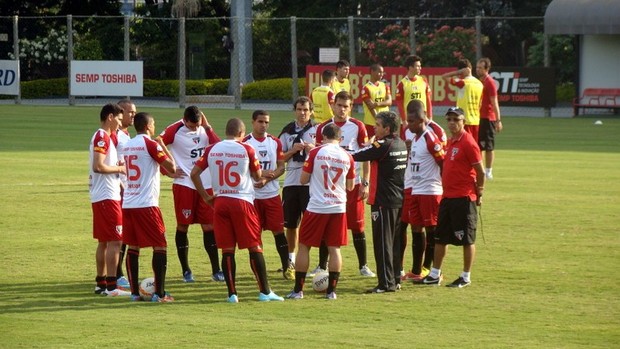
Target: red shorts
270, 213
189, 207
407, 209
370, 129
107, 220
144, 227
424, 210
473, 131
235, 223
316, 227
355, 209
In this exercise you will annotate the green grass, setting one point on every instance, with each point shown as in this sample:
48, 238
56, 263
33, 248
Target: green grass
546, 277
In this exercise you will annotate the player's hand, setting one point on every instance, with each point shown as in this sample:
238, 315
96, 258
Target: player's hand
363, 192
209, 199
499, 126
479, 200
179, 173
260, 183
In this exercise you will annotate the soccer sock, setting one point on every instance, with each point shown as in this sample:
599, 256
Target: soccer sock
323, 255
291, 256
182, 243
488, 171
418, 244
466, 275
257, 263
333, 281
282, 248
160, 264
110, 283
121, 255
229, 267
132, 266
300, 279
359, 242
403, 243
208, 239
430, 248
435, 273
100, 280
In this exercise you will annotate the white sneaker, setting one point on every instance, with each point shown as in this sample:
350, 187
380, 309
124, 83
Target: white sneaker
316, 270
116, 293
365, 271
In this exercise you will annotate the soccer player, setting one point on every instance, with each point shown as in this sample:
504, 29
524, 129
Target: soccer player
122, 134
233, 165
388, 160
413, 86
463, 182
377, 97
297, 139
422, 198
490, 120
105, 195
354, 137
186, 140
267, 189
323, 97
143, 224
469, 94
330, 172
342, 83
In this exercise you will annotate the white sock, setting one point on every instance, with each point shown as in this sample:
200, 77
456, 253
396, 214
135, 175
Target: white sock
291, 256
466, 275
488, 171
435, 273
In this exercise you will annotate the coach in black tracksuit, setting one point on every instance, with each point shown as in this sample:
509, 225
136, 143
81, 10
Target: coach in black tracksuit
388, 160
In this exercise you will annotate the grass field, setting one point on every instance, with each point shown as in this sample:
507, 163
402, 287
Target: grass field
546, 274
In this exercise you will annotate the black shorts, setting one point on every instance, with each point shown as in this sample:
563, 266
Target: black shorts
456, 222
486, 134
294, 202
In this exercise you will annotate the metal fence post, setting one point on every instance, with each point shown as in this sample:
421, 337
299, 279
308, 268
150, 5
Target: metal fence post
412, 35
70, 54
126, 41
18, 99
478, 38
235, 57
547, 64
351, 40
294, 57
181, 53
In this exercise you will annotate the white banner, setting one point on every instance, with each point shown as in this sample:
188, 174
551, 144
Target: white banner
106, 78
9, 77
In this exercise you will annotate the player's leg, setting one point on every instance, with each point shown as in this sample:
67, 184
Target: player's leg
337, 228
100, 278
355, 222
111, 263
184, 210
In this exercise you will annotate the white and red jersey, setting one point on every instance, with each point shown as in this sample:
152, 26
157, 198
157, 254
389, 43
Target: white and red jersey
329, 167
354, 136
439, 132
142, 158
230, 163
268, 151
122, 137
103, 186
186, 147
423, 169
407, 136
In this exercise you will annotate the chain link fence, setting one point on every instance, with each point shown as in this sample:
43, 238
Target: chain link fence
243, 50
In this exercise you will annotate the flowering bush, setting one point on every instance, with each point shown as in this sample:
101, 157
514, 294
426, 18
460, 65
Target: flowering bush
442, 48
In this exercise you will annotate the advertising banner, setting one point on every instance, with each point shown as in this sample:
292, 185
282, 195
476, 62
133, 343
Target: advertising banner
106, 78
9, 77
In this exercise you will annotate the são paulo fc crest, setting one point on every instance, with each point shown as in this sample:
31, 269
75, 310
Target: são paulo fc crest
186, 213
119, 229
459, 234
262, 153
454, 152
196, 140
375, 215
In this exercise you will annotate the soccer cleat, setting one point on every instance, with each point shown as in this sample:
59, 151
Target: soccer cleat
425, 272
99, 290
376, 289
116, 293
365, 271
289, 273
269, 297
428, 280
412, 277
331, 296
459, 283
167, 298
316, 270
122, 283
188, 276
218, 277
398, 287
135, 298
295, 295
233, 299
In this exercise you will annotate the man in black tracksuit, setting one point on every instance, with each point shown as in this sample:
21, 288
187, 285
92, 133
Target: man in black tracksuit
388, 160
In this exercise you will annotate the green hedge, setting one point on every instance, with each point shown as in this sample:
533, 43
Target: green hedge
45, 88
275, 89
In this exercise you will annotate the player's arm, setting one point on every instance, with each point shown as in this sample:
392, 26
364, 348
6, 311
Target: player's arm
195, 177
99, 165
400, 100
429, 103
178, 172
304, 178
495, 106
479, 181
388, 97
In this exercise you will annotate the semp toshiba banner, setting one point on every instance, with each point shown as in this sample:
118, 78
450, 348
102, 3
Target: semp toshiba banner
106, 78
516, 86
9, 77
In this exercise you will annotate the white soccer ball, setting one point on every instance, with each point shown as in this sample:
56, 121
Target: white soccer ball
598, 122
147, 289
320, 281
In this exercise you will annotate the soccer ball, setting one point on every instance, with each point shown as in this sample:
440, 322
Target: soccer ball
320, 281
147, 289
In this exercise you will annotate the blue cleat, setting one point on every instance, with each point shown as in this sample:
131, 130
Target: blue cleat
188, 276
233, 299
269, 297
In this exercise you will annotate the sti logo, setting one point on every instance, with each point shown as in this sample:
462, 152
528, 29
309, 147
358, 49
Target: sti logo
507, 81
